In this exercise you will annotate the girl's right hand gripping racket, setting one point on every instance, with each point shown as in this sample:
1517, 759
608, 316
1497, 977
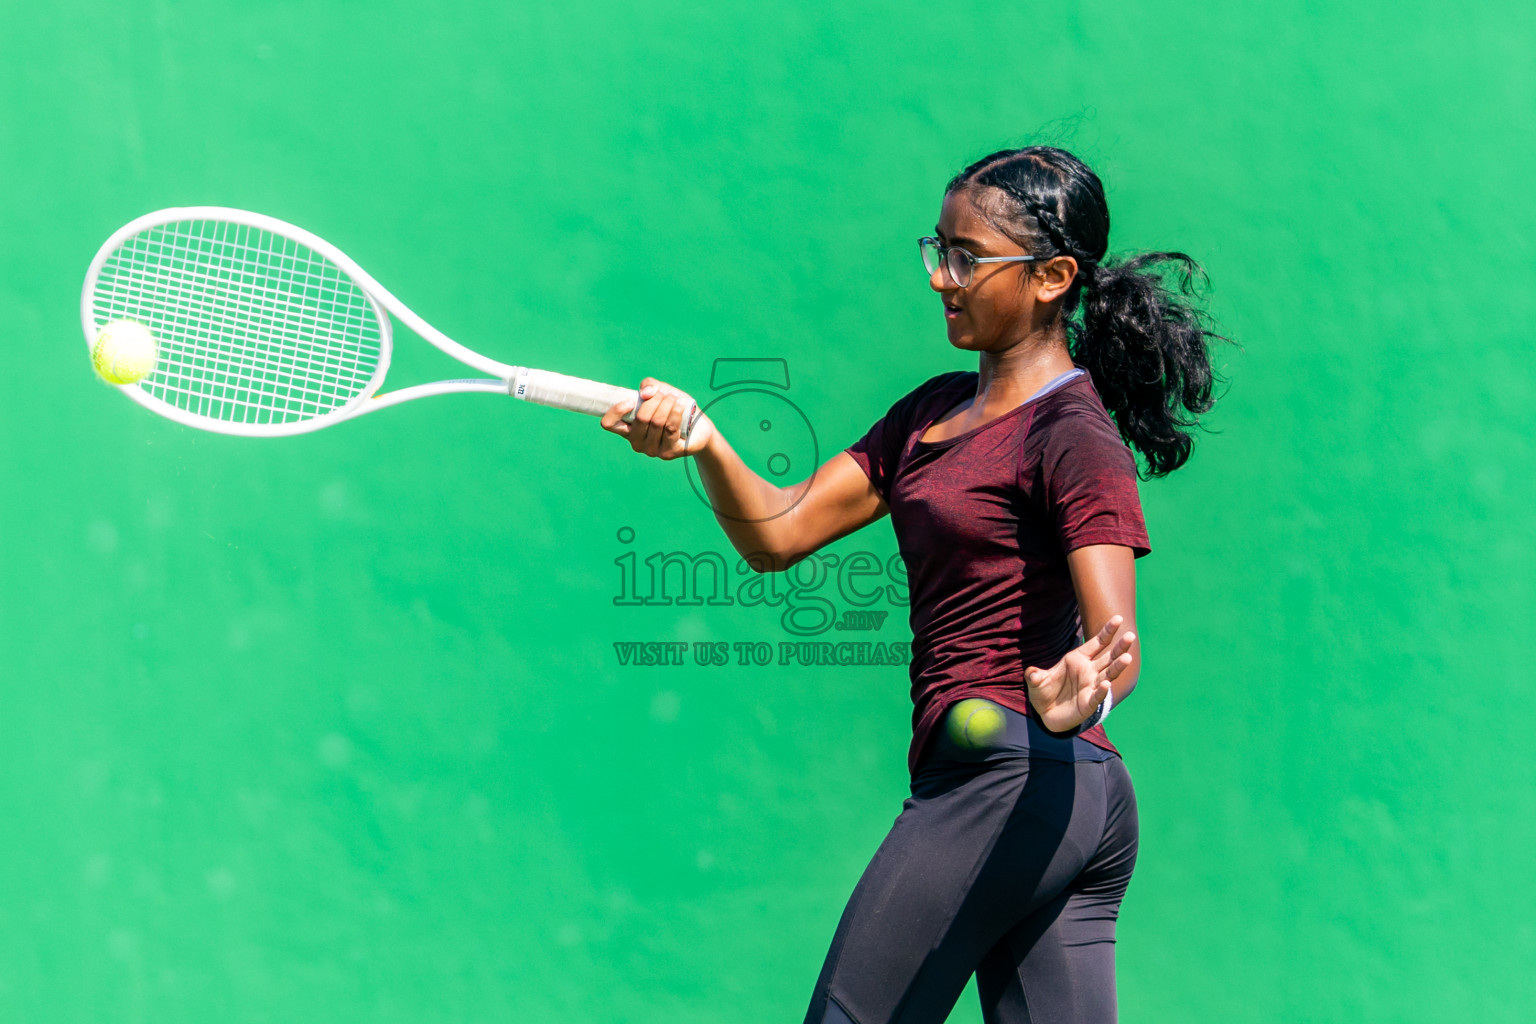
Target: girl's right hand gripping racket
264, 329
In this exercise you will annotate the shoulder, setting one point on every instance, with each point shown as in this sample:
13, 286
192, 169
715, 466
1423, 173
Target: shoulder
879, 452
944, 390
1072, 422
1074, 407
1084, 473
1076, 399
945, 384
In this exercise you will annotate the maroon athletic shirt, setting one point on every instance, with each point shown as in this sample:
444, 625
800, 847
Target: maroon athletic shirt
984, 522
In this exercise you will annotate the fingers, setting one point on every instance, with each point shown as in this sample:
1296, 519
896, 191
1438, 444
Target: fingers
1102, 638
657, 425
1092, 697
660, 423
652, 419
613, 419
1102, 649
650, 387
1079, 683
1122, 644
1123, 659
675, 418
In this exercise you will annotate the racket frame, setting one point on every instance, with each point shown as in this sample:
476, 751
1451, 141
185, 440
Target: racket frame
542, 386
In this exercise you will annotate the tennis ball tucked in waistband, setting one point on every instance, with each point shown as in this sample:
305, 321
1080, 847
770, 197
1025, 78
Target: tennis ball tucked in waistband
976, 723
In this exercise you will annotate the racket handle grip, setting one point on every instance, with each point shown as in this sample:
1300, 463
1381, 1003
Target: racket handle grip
577, 394
572, 393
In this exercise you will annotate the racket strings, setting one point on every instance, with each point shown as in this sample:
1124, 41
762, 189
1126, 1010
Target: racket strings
252, 327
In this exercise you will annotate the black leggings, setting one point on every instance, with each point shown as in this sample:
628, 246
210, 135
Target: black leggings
1010, 867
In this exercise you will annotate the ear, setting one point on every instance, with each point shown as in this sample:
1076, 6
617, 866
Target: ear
1055, 277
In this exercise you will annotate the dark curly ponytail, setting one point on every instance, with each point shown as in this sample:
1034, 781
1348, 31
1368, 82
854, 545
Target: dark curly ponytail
1145, 344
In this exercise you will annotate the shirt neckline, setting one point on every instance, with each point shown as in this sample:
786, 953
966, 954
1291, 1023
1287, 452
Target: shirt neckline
1049, 388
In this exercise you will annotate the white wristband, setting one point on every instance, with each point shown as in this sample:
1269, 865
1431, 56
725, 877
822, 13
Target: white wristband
1099, 714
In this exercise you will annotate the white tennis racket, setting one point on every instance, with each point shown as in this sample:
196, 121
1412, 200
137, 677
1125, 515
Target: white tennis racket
264, 329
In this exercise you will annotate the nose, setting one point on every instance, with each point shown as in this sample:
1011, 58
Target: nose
940, 281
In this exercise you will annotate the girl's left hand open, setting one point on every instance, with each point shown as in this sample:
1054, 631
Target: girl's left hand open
1065, 694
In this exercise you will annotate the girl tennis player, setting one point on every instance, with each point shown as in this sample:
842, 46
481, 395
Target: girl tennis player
1013, 496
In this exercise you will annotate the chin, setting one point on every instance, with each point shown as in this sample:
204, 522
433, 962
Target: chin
962, 339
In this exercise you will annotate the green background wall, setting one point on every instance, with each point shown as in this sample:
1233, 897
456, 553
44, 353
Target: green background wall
333, 728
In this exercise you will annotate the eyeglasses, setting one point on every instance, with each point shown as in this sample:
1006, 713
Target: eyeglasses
960, 264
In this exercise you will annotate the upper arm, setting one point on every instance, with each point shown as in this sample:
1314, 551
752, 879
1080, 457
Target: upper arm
837, 500
1087, 478
1104, 577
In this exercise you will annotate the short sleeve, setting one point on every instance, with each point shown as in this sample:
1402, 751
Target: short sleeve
1089, 479
879, 451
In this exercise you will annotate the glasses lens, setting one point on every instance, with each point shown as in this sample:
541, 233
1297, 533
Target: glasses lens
930, 249
960, 267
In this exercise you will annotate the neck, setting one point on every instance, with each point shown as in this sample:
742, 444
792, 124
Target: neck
1013, 375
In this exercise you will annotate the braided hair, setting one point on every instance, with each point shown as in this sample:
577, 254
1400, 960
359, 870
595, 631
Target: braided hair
1145, 344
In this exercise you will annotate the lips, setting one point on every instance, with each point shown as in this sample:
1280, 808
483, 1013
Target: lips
950, 312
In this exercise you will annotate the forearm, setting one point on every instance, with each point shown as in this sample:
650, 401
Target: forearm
755, 514
771, 527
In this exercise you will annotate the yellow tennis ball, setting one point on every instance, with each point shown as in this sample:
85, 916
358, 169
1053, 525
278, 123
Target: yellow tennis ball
124, 352
976, 723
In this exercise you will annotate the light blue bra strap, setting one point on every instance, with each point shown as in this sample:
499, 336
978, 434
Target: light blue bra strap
1052, 385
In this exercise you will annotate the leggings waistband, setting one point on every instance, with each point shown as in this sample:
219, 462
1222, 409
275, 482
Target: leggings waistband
977, 729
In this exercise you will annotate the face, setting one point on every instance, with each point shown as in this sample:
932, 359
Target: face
1005, 302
